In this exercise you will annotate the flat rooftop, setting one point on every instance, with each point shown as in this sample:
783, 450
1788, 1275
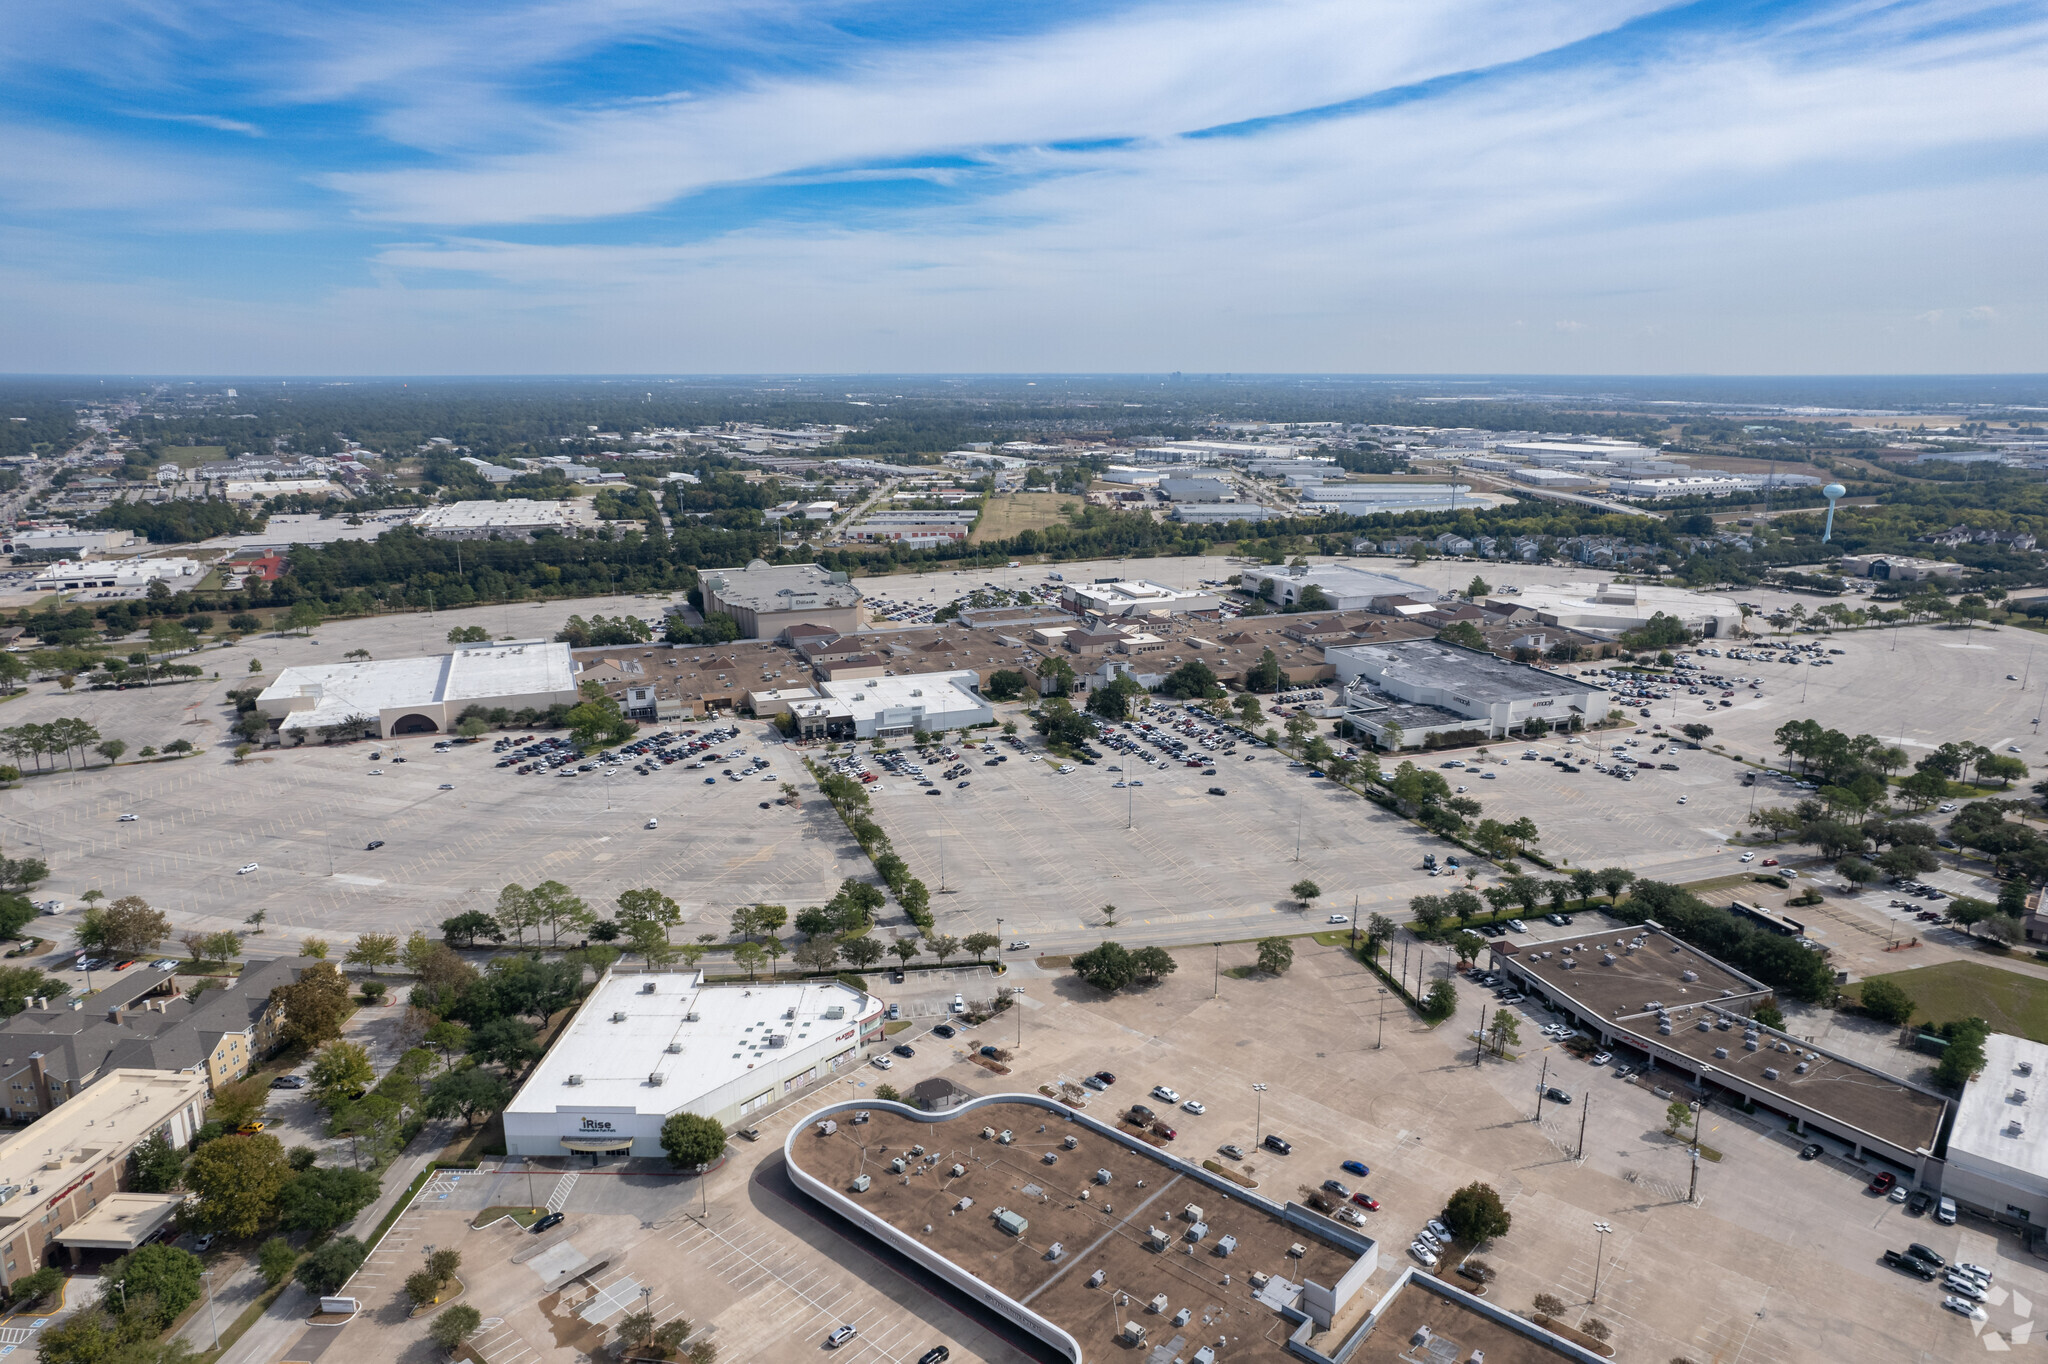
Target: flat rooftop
1107, 1229
111, 1114
1985, 1116
1621, 993
518, 513
938, 693
1477, 677
733, 1030
788, 587
1342, 580
1459, 1328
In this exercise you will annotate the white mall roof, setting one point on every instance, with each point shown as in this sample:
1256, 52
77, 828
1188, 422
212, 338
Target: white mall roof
728, 1036
526, 667
939, 693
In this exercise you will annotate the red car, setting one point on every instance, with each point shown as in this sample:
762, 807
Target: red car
1770, 861
1105, 1077
1883, 1183
1367, 1201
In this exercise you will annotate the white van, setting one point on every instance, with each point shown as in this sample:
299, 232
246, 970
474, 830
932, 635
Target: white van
653, 823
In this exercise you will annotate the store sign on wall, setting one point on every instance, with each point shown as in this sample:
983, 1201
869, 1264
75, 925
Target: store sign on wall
596, 1125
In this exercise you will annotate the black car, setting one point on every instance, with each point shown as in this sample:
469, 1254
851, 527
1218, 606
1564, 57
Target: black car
1919, 1202
1906, 1264
1557, 1096
552, 1219
374, 844
904, 1049
943, 1030
1925, 1255
1280, 1144
1810, 1151
938, 1354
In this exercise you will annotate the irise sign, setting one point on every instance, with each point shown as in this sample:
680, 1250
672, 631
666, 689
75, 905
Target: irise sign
596, 1125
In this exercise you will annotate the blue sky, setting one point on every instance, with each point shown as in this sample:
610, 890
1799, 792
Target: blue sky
1544, 186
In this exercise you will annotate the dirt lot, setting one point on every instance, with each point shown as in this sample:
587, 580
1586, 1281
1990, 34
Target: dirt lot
1014, 512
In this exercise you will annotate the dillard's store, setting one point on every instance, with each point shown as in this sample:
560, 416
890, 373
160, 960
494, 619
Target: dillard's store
649, 1044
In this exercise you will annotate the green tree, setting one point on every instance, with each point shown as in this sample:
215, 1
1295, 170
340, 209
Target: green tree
648, 904
1275, 955
1475, 1214
474, 1093
236, 1183
1441, 1001
748, 956
1504, 1032
1153, 963
1005, 684
313, 1006
979, 945
1107, 967
1305, 891
1476, 589
341, 1070
325, 1197
861, 951
1768, 1014
1614, 880
692, 1141
1677, 1116
154, 1165
328, 1268
373, 950
157, 1282
453, 1325
275, 1260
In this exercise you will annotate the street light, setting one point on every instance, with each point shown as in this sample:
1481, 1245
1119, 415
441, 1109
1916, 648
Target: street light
211, 1319
1259, 1120
1603, 1231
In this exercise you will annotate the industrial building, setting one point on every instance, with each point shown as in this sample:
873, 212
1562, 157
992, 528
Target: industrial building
942, 1188
132, 575
1690, 1016
1425, 687
1220, 513
1196, 490
648, 1044
65, 542
64, 1173
1550, 478
393, 696
1610, 609
913, 703
248, 490
1371, 499
1898, 568
765, 600
519, 518
1998, 1148
1344, 588
1135, 597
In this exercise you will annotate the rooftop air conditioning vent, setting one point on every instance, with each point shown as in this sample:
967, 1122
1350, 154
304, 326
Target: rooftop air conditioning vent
647, 987
693, 1017
1799, 1069
1770, 1072
575, 1079
1720, 1053
654, 1078
619, 1016
1688, 976
674, 1048
2025, 1067
2019, 1096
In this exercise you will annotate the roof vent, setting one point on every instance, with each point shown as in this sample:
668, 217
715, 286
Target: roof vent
1799, 1069
2019, 1096
575, 1079
619, 1016
647, 988
654, 1078
2025, 1068
1720, 1053
1770, 1072
693, 1017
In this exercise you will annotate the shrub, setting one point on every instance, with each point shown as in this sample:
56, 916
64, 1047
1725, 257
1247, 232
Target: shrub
329, 1267
454, 1326
275, 1260
1547, 1305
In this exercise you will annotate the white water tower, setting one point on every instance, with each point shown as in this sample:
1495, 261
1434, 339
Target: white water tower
1832, 493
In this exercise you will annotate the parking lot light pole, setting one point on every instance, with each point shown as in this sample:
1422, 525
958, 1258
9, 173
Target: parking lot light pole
1603, 1231
211, 1319
1259, 1118
1383, 1020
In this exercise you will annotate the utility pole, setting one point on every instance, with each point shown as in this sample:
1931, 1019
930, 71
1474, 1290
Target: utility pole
1584, 1109
1480, 1050
1542, 1083
1603, 1231
1216, 985
1259, 1119
1354, 922
1383, 1020
1692, 1194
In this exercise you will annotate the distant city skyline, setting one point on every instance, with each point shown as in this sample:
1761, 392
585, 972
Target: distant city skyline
1319, 187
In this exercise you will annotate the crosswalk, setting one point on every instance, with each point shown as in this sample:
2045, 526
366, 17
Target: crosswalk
560, 1196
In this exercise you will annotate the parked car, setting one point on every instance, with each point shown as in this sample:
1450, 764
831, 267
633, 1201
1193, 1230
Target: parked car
553, 1219
904, 1049
373, 845
1811, 1151
1279, 1144
943, 1030
1107, 1077
1230, 1151
1906, 1264
841, 1335
246, 870
1366, 1201
1357, 1167
1557, 1096
1337, 1187
938, 1354
1882, 1183
1165, 1095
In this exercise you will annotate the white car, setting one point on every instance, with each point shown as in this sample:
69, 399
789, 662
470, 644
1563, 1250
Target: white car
652, 824
1964, 1307
164, 964
882, 1062
959, 1004
127, 819
1195, 1106
447, 786
1340, 918
1977, 1272
246, 870
1749, 857
1601, 1058
1423, 1253
1165, 1095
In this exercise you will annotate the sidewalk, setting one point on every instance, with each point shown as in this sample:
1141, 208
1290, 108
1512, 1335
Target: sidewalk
280, 1326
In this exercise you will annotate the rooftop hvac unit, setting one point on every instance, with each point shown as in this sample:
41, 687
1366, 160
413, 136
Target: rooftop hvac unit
957, 1170
1799, 1069
836, 1012
1052, 1157
674, 1048
896, 1166
1688, 976
1607, 959
693, 1017
988, 1134
619, 1016
575, 1079
1720, 1053
1664, 1029
2015, 1128
1158, 1303
1749, 1044
1102, 1176
1004, 1137
1095, 1279
1156, 1238
2019, 1096
1070, 1142
1724, 1025
654, 1077
861, 1183
778, 1039
1704, 1026
2025, 1067
790, 1012
1055, 1251
647, 987
1784, 1046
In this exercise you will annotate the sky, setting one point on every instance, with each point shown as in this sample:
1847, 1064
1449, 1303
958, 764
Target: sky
865, 186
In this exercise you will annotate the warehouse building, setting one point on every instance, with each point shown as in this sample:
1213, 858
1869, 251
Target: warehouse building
1610, 609
1344, 588
130, 575
1196, 490
765, 600
1426, 688
1998, 1148
519, 518
1134, 597
1689, 1015
648, 1044
912, 703
1220, 513
63, 1174
1898, 568
393, 696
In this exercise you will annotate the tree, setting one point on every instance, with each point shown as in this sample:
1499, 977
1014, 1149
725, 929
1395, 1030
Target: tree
1153, 963
326, 1197
1107, 967
448, 1038
313, 1006
1305, 891
650, 905
979, 945
461, 931
943, 946
1696, 732
1768, 1014
1467, 945
816, 954
240, 1101
692, 1141
862, 951
1112, 700
555, 905
316, 948
454, 1325
236, 1183
506, 1042
1248, 710
154, 1165
33, 1288
1886, 1001
1191, 680
304, 616
127, 927
373, 949
328, 1268
342, 1070
1614, 880
905, 949
1504, 1032
156, 1281
1275, 955
1476, 589
1677, 1116
596, 720
1856, 871
112, 750
1475, 1213
473, 1093
650, 940
1265, 675
749, 956
1441, 1001
275, 1260
1005, 684
1964, 1055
